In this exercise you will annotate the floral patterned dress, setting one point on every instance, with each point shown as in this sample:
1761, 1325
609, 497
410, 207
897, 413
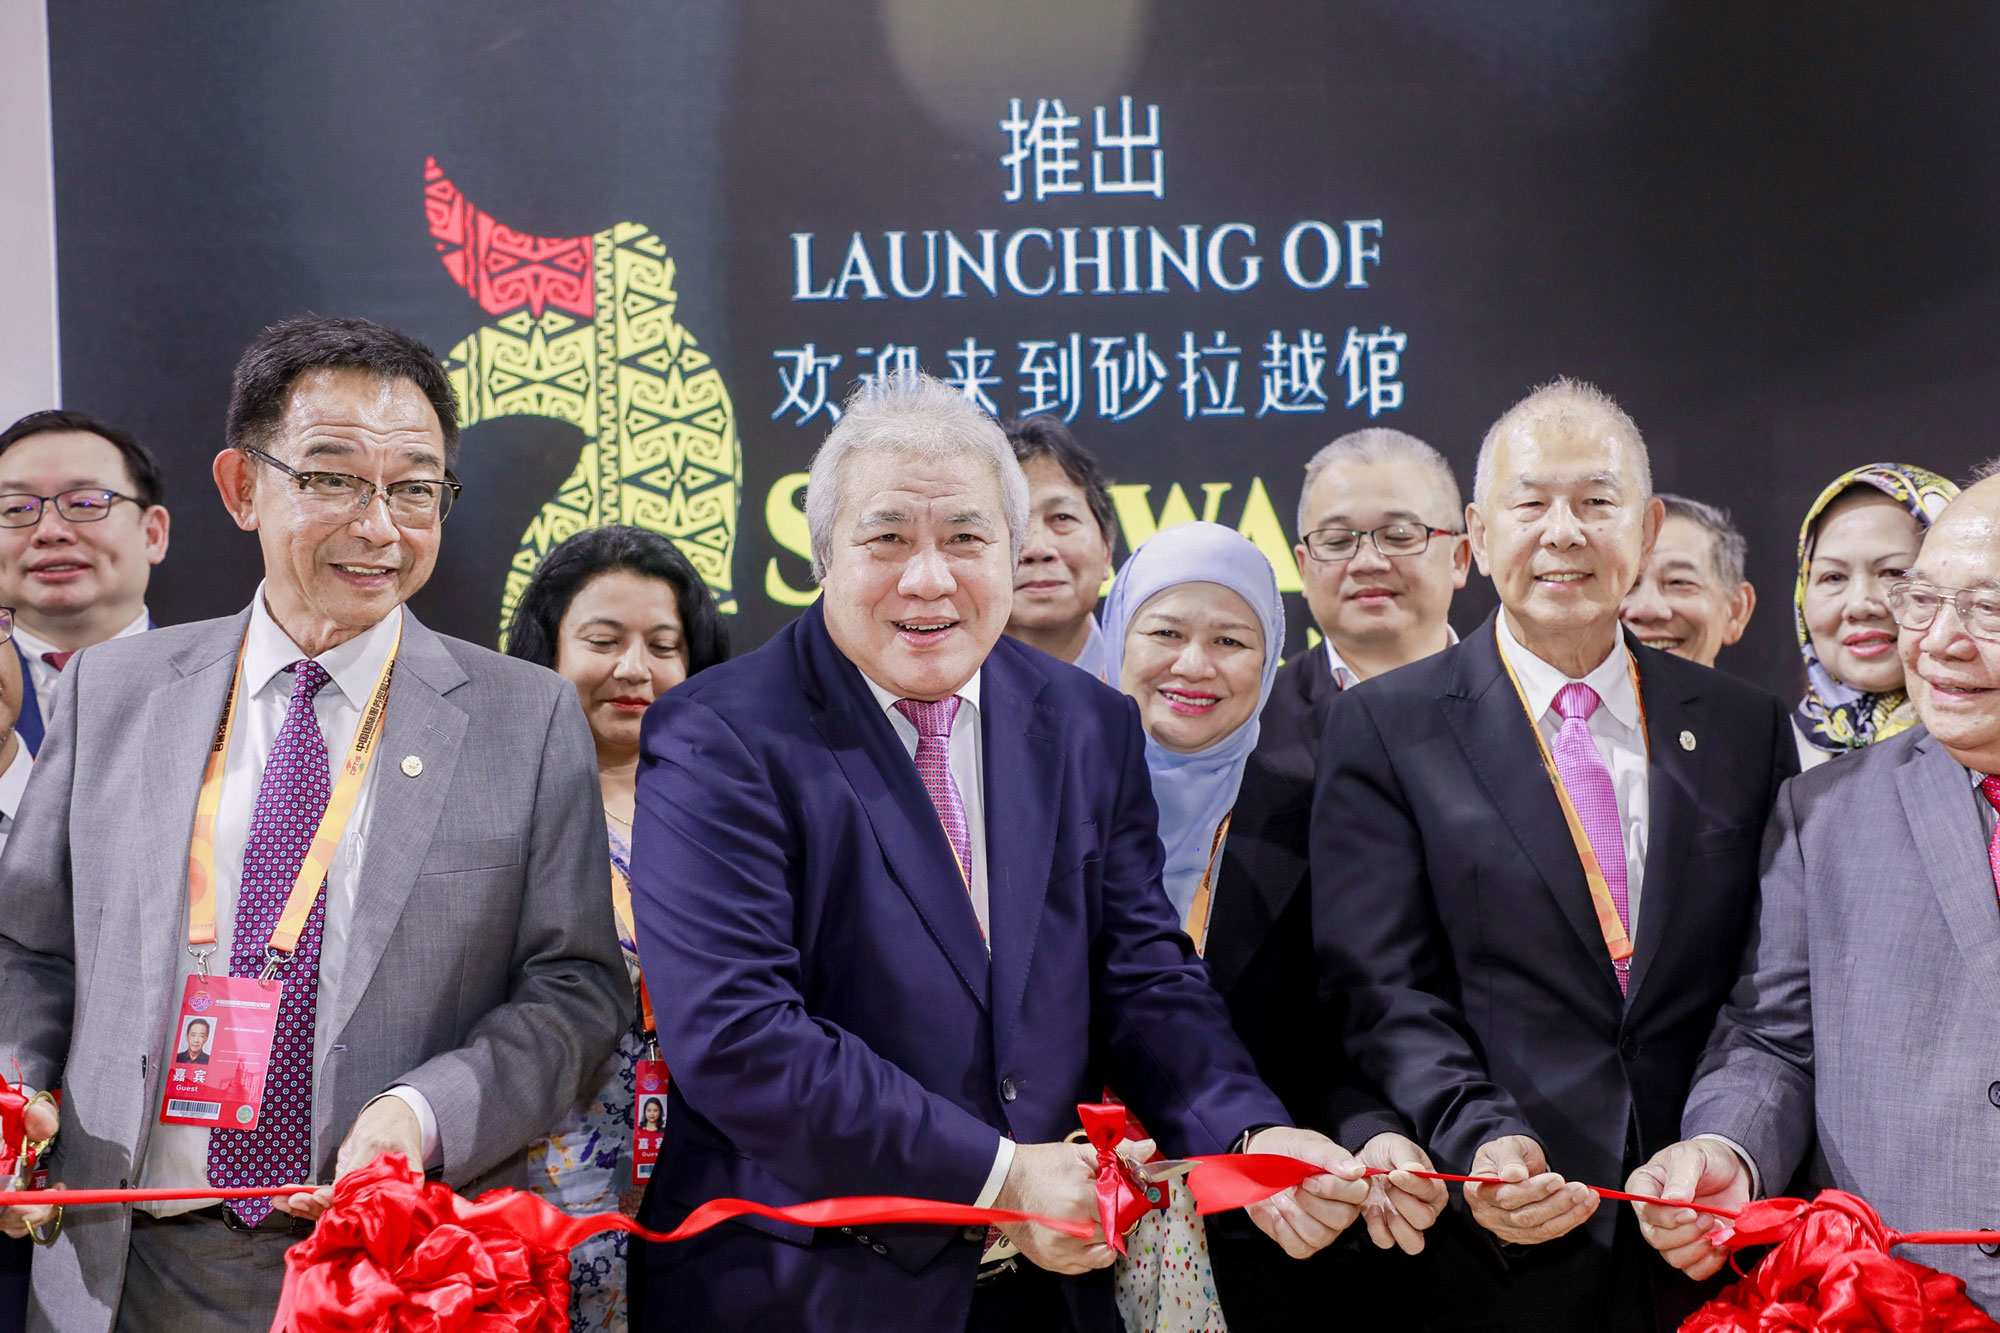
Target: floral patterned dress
583, 1167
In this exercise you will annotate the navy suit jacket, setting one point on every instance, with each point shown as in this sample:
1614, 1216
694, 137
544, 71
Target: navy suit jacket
1453, 922
827, 1005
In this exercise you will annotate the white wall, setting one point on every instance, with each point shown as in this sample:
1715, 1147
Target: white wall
29, 377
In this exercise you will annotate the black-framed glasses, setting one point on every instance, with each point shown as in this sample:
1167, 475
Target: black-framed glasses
1915, 606
339, 497
6, 623
1390, 539
85, 504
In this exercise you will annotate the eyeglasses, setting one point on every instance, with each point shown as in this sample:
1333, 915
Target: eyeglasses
1390, 539
337, 497
86, 504
1915, 606
6, 623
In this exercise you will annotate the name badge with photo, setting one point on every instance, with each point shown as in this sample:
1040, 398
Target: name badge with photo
649, 1118
222, 1049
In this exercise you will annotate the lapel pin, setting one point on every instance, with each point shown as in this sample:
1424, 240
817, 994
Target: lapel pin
1687, 743
412, 765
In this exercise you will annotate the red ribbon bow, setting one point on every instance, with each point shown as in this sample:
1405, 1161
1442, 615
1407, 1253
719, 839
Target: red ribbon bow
14, 1127
1832, 1273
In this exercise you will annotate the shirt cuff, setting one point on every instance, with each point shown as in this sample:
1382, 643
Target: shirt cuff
1749, 1162
1003, 1162
420, 1106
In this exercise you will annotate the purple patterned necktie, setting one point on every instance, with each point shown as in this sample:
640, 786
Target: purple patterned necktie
290, 803
933, 723
1588, 783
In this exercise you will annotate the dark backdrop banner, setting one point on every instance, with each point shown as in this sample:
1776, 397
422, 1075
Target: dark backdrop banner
661, 241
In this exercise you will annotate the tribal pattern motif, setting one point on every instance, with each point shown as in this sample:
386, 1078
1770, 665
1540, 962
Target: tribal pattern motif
583, 330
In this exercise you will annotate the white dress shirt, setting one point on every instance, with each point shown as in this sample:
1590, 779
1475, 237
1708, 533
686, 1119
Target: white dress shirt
969, 773
177, 1155
45, 676
1615, 727
1344, 675
13, 781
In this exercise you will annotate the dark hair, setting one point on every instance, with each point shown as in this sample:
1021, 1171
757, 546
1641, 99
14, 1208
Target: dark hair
273, 362
192, 1021
147, 487
1042, 436
538, 617
1728, 551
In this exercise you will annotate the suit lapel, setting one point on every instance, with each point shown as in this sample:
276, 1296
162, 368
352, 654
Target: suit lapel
1024, 775
1938, 805
179, 724
885, 781
1499, 744
403, 818
1673, 776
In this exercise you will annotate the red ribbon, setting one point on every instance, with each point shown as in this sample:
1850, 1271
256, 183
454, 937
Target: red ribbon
1122, 1198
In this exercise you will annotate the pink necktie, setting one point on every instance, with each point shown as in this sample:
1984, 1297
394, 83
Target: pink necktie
290, 802
1588, 783
933, 723
1989, 786
59, 661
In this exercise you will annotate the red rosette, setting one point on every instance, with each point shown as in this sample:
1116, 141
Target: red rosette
1832, 1272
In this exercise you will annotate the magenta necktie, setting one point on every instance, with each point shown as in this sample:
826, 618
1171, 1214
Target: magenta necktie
1588, 783
290, 802
1989, 786
933, 723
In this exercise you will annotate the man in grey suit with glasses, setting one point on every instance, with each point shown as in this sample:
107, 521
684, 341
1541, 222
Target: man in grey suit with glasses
450, 972
1860, 1040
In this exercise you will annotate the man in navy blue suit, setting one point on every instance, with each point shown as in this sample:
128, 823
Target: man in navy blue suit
897, 886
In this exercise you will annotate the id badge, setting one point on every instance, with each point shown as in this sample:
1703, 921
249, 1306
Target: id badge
222, 1048
649, 1118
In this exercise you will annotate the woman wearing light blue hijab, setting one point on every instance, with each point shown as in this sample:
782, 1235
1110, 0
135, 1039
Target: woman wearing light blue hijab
1192, 631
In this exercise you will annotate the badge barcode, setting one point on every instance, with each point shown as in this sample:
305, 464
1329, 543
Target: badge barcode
206, 1110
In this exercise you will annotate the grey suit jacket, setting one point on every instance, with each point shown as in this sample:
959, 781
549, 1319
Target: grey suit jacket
1869, 1005
483, 966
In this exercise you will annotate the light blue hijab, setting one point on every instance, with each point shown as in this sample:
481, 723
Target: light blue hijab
1195, 791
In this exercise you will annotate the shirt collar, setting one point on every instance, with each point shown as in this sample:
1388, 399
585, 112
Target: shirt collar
1343, 674
968, 692
14, 780
1540, 682
33, 645
354, 665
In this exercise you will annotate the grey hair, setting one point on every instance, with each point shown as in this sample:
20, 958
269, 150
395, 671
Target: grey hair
1379, 444
1567, 403
1729, 551
915, 415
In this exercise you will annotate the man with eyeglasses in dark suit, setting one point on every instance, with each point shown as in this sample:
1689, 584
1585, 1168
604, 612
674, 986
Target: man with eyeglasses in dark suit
81, 527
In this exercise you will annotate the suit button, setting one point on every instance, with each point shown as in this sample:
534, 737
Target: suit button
1009, 1090
1993, 1093
974, 1233
123, 1186
1990, 1251
1630, 1048
881, 1249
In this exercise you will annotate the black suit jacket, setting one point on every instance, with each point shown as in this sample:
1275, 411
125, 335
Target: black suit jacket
1453, 923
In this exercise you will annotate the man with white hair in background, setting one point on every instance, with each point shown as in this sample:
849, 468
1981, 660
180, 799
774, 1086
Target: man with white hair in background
1534, 863
1381, 550
897, 888
1692, 600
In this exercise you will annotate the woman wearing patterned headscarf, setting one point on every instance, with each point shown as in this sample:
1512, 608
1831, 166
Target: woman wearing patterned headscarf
1859, 535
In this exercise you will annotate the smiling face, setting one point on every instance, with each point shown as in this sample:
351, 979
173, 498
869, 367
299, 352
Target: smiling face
1374, 599
57, 570
1064, 560
1194, 663
1563, 531
1954, 679
329, 577
919, 574
621, 645
1863, 541
1680, 604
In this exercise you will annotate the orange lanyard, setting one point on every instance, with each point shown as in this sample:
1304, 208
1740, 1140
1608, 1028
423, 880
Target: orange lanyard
326, 838
1196, 925
1616, 941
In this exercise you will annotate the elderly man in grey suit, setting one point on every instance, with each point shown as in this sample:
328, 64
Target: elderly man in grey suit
456, 975
1865, 1012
